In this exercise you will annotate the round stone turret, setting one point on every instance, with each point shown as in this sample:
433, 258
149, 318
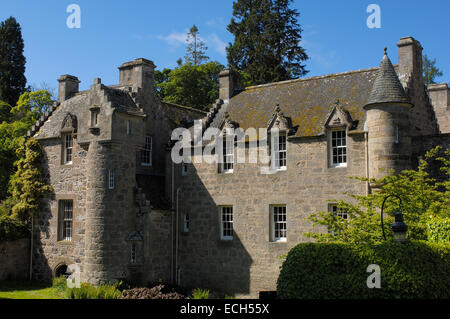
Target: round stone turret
387, 121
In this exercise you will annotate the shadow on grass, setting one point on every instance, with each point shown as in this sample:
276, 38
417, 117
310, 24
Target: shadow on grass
28, 290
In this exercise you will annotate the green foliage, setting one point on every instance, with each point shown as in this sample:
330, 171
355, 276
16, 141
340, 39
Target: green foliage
196, 48
30, 106
190, 85
12, 61
200, 294
430, 71
27, 185
267, 39
422, 196
60, 283
339, 271
88, 291
5, 112
438, 230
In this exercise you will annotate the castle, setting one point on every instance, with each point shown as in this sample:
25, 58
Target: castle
122, 209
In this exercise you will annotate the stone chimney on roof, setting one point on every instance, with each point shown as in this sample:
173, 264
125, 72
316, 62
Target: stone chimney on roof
68, 87
138, 73
229, 82
409, 58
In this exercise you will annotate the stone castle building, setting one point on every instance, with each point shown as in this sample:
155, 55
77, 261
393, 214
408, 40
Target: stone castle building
121, 209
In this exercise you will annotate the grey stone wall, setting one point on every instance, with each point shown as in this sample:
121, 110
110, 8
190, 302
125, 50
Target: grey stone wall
250, 262
440, 96
15, 259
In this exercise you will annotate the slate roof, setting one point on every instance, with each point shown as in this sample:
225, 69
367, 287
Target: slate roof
307, 102
387, 87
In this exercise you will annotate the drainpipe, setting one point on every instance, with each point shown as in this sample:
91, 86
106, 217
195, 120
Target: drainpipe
366, 145
31, 248
176, 238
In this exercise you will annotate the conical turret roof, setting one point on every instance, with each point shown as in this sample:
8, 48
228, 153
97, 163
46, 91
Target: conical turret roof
387, 87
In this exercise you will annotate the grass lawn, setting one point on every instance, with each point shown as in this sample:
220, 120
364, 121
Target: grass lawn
29, 290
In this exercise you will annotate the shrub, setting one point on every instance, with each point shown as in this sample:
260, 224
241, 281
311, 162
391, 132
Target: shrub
157, 292
88, 291
200, 294
60, 283
438, 230
339, 271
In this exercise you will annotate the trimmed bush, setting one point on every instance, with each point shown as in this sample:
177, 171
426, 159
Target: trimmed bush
438, 230
339, 271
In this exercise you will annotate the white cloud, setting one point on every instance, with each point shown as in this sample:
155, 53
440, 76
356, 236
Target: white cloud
174, 39
217, 44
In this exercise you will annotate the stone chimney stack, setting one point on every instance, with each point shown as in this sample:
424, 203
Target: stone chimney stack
68, 86
138, 73
410, 58
229, 82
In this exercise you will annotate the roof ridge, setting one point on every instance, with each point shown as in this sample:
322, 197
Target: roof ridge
318, 77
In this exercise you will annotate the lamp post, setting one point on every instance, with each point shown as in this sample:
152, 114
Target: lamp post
399, 228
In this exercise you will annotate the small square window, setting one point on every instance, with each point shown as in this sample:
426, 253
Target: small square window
186, 223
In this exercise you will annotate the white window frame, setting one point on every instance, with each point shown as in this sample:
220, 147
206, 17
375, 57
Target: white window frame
67, 149
227, 165
226, 223
133, 253
279, 151
111, 179
186, 223
342, 150
146, 152
66, 220
278, 226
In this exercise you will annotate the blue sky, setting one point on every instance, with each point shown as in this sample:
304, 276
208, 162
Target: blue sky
335, 34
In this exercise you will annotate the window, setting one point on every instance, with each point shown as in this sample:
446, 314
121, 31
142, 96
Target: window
279, 223
227, 223
184, 168
146, 153
68, 146
94, 118
65, 221
279, 152
339, 212
186, 223
133, 253
397, 136
128, 127
228, 154
338, 150
111, 179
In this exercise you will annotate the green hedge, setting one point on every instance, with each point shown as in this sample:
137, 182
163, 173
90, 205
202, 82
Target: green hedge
438, 230
339, 271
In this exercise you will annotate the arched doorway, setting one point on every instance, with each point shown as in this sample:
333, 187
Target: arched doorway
61, 270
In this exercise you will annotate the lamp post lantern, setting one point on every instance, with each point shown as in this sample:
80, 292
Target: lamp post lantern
399, 228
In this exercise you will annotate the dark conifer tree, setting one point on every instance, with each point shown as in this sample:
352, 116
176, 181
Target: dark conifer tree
12, 62
267, 39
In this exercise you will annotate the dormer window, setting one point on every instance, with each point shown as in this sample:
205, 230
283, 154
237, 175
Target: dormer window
94, 119
228, 154
146, 152
338, 148
279, 151
67, 147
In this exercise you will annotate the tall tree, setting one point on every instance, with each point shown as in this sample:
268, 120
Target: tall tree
430, 71
267, 39
190, 85
196, 48
12, 61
